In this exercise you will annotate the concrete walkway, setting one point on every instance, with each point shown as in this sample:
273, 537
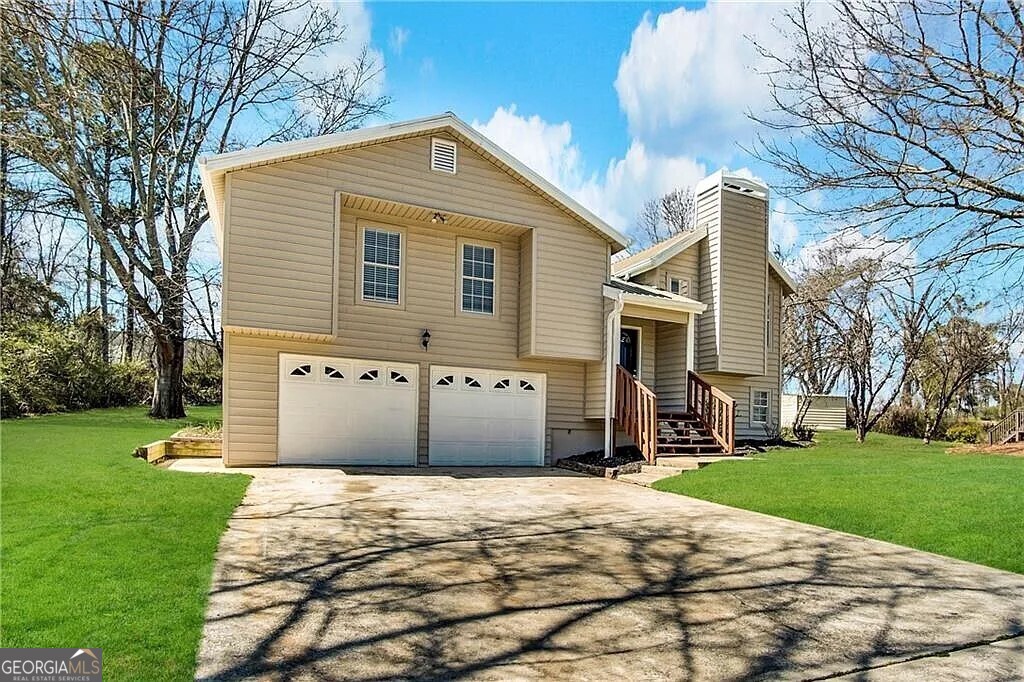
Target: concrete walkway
542, 574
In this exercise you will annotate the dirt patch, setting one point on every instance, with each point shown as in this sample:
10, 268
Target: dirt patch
210, 430
626, 460
1010, 449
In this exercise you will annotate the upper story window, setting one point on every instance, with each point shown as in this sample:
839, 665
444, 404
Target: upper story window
382, 264
478, 278
679, 285
759, 410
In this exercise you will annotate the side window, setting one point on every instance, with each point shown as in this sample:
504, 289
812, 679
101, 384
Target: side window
382, 265
679, 285
759, 406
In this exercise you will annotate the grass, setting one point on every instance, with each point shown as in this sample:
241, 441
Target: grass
889, 488
102, 550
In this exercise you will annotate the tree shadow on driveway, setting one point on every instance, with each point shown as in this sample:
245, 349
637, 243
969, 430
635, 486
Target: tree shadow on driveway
378, 577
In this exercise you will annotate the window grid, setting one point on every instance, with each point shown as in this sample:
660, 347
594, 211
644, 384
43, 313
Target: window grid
382, 261
759, 407
477, 279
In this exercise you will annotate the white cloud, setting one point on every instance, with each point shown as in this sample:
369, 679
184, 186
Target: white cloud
783, 227
691, 75
397, 39
427, 68
854, 245
614, 194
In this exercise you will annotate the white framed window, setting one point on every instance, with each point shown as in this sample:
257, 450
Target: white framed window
382, 265
760, 406
478, 276
679, 285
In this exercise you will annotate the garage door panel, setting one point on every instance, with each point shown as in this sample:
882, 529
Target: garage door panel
486, 417
343, 411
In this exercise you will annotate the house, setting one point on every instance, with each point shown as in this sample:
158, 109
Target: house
412, 294
824, 413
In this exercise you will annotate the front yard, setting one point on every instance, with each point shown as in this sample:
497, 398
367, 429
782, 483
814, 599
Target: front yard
102, 550
896, 489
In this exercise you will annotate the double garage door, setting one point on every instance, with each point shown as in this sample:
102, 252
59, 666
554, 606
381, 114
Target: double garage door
359, 412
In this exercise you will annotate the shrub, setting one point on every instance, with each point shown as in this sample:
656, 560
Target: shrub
903, 421
965, 432
202, 380
804, 432
47, 367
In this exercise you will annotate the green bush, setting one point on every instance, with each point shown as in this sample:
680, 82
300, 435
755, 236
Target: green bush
48, 367
202, 381
965, 432
908, 422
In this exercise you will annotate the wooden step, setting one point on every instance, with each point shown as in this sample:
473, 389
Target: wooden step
690, 449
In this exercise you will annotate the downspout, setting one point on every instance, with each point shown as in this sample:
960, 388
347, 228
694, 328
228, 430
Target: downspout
611, 333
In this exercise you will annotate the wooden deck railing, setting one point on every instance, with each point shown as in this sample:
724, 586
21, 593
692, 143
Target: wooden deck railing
715, 408
1013, 424
636, 411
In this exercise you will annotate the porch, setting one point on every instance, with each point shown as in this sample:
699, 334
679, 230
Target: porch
655, 396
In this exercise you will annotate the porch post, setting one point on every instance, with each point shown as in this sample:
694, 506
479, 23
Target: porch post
691, 322
612, 331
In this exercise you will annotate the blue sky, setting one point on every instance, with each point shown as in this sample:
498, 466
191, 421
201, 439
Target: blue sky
614, 102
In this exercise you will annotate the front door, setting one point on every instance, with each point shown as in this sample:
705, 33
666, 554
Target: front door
629, 350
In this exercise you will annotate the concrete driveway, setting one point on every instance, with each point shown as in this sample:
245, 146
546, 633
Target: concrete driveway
541, 574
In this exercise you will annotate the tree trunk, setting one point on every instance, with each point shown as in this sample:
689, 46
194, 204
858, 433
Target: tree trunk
168, 399
104, 312
129, 331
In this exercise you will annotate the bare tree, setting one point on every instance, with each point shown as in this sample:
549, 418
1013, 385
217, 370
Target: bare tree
203, 295
811, 347
954, 354
905, 119
664, 216
169, 82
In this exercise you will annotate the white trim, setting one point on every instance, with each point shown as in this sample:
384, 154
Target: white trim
212, 168
666, 251
658, 299
780, 272
639, 349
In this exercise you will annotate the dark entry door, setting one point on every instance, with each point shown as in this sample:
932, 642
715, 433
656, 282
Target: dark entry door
629, 350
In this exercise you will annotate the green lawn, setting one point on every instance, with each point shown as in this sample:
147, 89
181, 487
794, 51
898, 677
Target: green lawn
896, 489
103, 550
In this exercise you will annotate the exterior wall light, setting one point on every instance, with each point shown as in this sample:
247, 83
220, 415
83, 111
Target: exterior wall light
425, 339
439, 218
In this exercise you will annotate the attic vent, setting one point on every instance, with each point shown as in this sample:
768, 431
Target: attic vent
442, 155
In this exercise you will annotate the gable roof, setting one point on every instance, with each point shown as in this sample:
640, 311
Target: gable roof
655, 255
658, 254
633, 292
212, 169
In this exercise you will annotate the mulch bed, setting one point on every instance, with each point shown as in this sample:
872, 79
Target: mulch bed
627, 460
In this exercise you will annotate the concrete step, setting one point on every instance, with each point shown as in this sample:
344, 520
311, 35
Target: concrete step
644, 478
695, 461
669, 470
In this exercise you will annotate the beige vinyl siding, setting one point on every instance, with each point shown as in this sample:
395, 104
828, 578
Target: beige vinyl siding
670, 365
739, 387
281, 231
251, 378
744, 274
647, 347
706, 353
595, 373
826, 413
526, 294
